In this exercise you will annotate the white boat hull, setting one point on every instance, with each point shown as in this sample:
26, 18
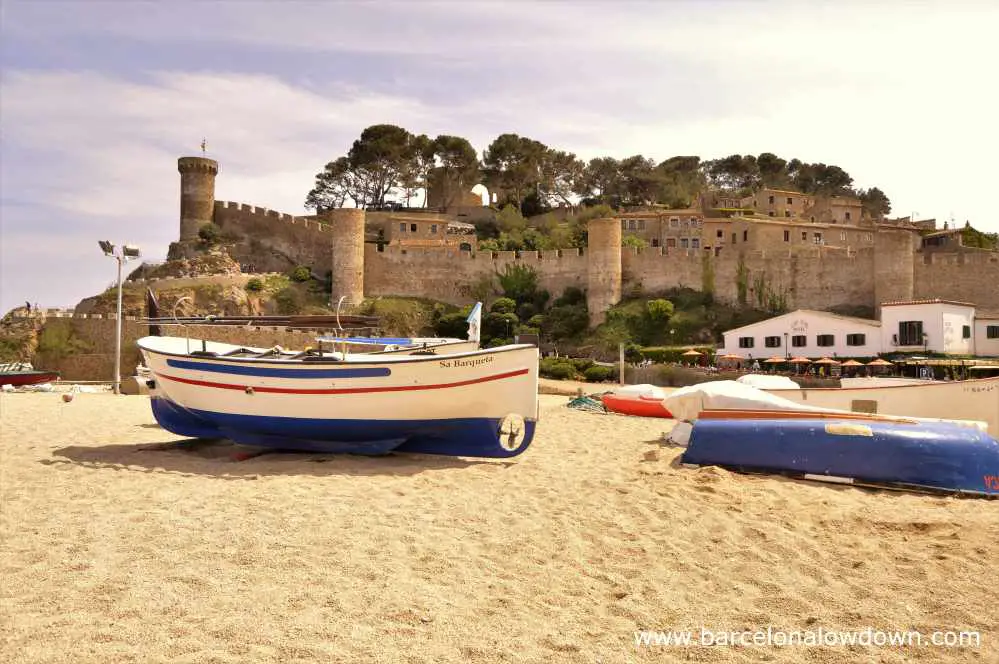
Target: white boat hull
951, 400
446, 404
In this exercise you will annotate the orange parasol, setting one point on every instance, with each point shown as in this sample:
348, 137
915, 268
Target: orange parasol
801, 360
853, 363
774, 360
692, 353
826, 360
879, 363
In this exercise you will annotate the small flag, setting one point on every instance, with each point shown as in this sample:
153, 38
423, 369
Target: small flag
474, 322
202, 146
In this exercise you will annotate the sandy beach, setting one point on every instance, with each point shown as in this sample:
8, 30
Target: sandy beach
112, 550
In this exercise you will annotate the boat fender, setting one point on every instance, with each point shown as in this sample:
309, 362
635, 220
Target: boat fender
249, 390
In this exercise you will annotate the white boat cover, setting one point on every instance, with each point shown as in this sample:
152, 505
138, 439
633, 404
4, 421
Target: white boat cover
640, 390
765, 382
686, 402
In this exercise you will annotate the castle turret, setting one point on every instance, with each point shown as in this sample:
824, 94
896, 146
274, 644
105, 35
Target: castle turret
348, 253
603, 267
197, 194
894, 265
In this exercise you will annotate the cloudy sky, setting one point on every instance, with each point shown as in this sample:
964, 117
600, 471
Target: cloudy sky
98, 100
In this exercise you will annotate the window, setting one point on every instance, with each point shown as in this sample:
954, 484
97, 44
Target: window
787, 213
655, 242
717, 251
745, 236
992, 331
817, 238
812, 219
641, 224
910, 333
825, 340
804, 236
966, 332
671, 242
631, 224
799, 341
674, 222
695, 243
790, 200
402, 228
624, 224
771, 342
433, 229
771, 214
787, 236
847, 216
733, 238
683, 243
720, 234
698, 222
412, 228
842, 236
745, 342
869, 237
770, 200
856, 339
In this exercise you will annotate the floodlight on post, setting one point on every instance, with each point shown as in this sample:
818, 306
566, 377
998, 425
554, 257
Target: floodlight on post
121, 255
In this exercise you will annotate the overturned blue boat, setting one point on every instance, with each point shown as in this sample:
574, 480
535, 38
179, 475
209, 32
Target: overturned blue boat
925, 456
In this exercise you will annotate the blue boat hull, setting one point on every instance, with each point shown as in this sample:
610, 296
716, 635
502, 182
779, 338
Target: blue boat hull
943, 457
470, 437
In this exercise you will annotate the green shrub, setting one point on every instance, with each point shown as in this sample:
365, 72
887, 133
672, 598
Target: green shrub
209, 233
301, 274
503, 305
558, 368
597, 374
452, 325
254, 285
581, 363
288, 301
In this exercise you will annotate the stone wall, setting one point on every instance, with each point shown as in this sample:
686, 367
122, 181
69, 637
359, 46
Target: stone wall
971, 275
270, 241
97, 335
450, 275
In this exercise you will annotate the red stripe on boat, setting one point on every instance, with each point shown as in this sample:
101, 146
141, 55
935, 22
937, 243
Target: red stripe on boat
352, 390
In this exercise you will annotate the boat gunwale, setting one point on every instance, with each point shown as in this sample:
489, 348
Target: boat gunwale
399, 359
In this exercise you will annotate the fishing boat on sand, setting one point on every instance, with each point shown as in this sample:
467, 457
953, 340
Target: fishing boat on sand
641, 400
19, 374
480, 403
739, 427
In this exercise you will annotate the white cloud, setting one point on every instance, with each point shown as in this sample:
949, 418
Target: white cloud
902, 100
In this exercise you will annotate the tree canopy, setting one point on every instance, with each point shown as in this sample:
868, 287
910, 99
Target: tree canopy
387, 163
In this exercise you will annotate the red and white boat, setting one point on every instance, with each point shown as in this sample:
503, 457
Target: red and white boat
641, 400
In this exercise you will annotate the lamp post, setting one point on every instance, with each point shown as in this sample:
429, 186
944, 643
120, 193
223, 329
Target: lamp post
121, 254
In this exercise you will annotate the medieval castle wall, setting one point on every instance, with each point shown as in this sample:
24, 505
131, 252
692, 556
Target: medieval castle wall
971, 275
270, 241
817, 277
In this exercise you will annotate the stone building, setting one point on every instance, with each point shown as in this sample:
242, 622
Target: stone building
825, 260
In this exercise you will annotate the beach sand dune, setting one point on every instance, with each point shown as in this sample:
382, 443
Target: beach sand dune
115, 550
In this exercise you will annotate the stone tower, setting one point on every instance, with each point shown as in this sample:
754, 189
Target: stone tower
348, 253
603, 267
894, 265
197, 194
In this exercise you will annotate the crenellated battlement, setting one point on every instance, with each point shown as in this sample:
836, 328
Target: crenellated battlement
228, 210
